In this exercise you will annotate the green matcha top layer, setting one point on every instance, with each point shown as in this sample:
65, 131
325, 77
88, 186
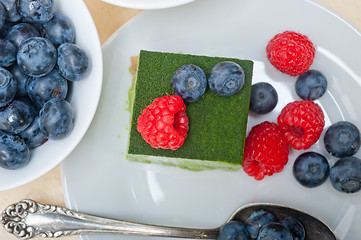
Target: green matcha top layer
217, 125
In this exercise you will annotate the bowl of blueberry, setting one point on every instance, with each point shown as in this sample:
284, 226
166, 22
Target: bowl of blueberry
50, 83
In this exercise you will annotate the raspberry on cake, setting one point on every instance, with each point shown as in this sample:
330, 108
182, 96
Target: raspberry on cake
302, 123
217, 124
290, 52
164, 123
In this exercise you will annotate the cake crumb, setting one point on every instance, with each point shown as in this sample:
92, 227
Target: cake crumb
134, 65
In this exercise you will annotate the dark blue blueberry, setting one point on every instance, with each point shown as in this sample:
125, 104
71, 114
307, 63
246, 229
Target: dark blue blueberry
72, 62
264, 98
226, 78
2, 15
342, 139
42, 89
39, 28
59, 30
8, 87
345, 175
14, 153
189, 82
37, 56
7, 53
5, 29
311, 85
257, 220
233, 230
12, 13
32, 135
20, 32
39, 11
311, 169
56, 119
21, 79
295, 227
16, 116
274, 231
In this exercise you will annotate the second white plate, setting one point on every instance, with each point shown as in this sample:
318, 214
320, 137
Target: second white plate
147, 4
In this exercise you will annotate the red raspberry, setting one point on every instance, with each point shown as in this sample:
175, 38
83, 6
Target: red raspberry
302, 123
266, 151
164, 124
291, 53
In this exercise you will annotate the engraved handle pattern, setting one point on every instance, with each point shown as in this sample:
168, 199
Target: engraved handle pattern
27, 219
14, 219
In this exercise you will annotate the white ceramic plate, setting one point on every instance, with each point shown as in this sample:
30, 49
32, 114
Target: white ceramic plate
147, 4
99, 180
84, 100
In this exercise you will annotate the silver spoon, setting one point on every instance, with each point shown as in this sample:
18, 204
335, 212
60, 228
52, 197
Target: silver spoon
27, 219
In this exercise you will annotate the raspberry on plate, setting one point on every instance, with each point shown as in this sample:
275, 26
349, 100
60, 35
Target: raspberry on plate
164, 124
266, 151
302, 123
290, 52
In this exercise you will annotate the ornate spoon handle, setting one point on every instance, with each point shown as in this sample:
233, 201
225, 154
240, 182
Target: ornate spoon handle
27, 219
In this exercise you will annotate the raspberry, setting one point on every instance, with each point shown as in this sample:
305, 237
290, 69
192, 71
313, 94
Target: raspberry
164, 124
302, 123
266, 151
290, 52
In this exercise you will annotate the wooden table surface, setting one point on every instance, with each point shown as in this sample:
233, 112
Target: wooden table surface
108, 18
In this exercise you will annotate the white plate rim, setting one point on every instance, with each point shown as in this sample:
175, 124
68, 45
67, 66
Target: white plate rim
105, 45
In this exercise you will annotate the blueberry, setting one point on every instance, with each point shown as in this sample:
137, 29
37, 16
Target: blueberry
12, 13
32, 135
233, 230
342, 139
311, 85
295, 227
7, 53
21, 79
311, 169
5, 29
36, 56
59, 30
226, 78
274, 231
42, 89
14, 153
189, 82
345, 174
20, 32
56, 118
257, 220
72, 61
8, 87
36, 10
264, 98
2, 15
16, 116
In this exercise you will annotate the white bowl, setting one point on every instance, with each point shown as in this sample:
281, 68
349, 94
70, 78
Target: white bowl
148, 4
84, 99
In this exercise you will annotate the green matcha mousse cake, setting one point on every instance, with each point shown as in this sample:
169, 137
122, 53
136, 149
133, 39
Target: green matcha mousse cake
217, 124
